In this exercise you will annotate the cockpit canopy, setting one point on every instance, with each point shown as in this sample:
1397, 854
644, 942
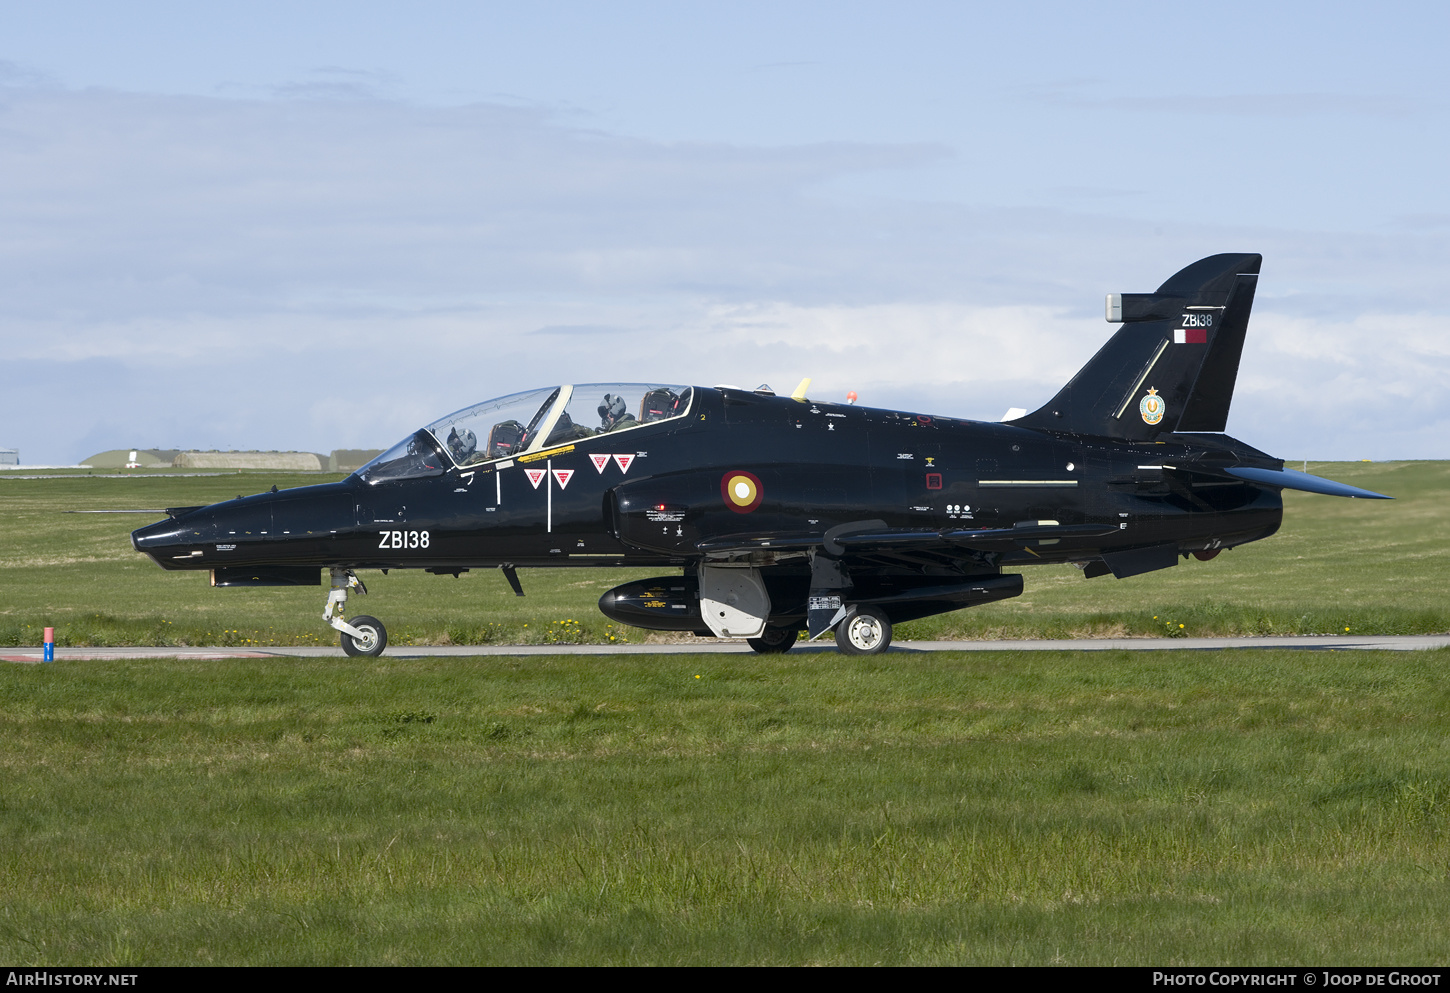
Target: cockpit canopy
527, 422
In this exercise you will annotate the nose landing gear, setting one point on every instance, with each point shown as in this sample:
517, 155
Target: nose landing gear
365, 635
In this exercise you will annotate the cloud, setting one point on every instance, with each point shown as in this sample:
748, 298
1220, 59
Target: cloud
20, 75
184, 271
327, 90
1262, 105
578, 329
1091, 192
1072, 93
370, 75
146, 201
1423, 222
1375, 381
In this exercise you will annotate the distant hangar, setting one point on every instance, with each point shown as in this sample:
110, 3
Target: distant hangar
341, 459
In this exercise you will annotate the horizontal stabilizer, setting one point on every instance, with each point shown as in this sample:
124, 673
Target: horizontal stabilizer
1292, 479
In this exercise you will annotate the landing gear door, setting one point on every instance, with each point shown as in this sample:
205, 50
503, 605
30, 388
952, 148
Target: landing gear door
733, 601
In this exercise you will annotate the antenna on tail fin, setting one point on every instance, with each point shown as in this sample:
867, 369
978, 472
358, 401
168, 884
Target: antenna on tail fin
1173, 363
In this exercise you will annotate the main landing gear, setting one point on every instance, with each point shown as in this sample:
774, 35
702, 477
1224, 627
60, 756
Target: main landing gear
865, 631
365, 635
774, 640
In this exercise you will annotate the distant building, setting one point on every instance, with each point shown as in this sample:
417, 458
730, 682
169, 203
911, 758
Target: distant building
145, 458
341, 460
295, 461
351, 459
9, 456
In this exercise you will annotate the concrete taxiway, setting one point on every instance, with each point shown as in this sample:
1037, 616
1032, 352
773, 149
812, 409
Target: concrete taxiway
1334, 642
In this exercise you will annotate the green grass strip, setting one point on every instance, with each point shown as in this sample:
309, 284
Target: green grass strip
959, 808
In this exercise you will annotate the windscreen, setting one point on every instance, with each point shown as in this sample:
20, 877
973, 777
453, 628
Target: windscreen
415, 456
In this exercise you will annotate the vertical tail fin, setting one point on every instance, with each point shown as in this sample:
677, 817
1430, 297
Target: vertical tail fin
1173, 363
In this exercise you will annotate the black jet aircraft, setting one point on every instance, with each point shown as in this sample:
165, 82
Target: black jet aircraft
783, 513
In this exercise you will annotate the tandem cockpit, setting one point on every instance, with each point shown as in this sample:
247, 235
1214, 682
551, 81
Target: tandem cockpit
527, 422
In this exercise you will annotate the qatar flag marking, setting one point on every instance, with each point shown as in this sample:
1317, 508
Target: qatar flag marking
600, 461
563, 476
623, 461
1190, 336
536, 476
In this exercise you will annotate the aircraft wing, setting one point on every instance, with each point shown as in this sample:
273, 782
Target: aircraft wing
983, 539
776, 541
1026, 533
858, 540
887, 539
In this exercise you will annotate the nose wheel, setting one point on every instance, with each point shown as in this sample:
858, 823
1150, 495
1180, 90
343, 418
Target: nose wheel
374, 637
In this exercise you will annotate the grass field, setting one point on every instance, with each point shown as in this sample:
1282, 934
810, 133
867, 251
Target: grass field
1374, 567
1081, 808
994, 808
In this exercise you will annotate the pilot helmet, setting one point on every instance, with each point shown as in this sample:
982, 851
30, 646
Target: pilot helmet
461, 443
611, 408
467, 442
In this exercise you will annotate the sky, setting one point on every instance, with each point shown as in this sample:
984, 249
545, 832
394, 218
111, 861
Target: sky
320, 225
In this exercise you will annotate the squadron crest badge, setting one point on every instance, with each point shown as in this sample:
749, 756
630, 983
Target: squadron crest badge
1151, 407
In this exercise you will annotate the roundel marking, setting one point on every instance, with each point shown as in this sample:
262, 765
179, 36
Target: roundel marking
742, 491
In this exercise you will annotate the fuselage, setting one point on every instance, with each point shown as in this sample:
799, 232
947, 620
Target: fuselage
651, 495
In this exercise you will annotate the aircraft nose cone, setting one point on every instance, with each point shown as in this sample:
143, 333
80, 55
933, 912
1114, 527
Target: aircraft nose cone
257, 525
159, 536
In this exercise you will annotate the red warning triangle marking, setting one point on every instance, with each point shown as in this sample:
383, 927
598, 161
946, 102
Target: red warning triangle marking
623, 461
536, 476
563, 476
600, 461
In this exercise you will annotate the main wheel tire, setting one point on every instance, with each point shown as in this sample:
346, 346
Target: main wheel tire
865, 631
774, 641
374, 640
